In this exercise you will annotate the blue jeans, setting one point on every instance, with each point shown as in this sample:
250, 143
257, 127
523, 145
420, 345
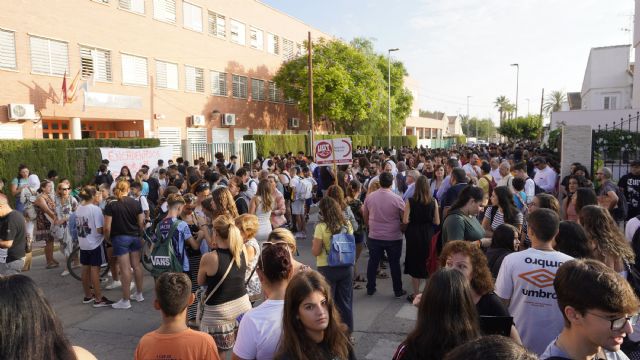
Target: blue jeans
376, 250
341, 280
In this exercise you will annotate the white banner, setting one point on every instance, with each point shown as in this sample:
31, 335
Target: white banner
329, 151
112, 100
135, 158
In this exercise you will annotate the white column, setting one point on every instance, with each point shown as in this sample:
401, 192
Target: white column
76, 129
404, 131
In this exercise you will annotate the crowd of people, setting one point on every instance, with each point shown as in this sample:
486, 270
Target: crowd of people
506, 259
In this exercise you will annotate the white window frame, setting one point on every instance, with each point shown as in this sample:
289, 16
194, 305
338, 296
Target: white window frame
135, 82
219, 81
192, 16
50, 58
257, 89
96, 62
167, 75
134, 6
165, 11
236, 83
610, 102
8, 58
217, 24
256, 38
273, 44
273, 92
288, 49
240, 37
191, 82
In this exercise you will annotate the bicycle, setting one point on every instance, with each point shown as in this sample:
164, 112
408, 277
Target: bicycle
145, 258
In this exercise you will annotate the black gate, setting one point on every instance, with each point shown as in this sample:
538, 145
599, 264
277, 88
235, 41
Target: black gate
615, 145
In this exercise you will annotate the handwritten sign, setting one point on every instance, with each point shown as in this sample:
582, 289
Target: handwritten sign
135, 158
330, 151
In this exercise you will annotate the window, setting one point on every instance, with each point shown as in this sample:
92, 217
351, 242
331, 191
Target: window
218, 83
194, 79
274, 92
166, 75
49, 57
217, 25
256, 38
238, 34
257, 89
192, 16
287, 49
273, 46
95, 62
55, 129
299, 49
7, 49
165, 10
239, 86
136, 6
134, 70
610, 102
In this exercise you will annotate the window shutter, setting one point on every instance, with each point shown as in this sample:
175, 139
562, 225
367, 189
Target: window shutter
272, 44
192, 16
134, 70
257, 38
217, 25
165, 10
7, 49
218, 83
132, 5
49, 57
166, 75
194, 79
96, 62
239, 87
238, 32
287, 49
257, 89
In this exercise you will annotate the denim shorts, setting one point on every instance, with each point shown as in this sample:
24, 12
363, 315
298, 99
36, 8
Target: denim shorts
124, 244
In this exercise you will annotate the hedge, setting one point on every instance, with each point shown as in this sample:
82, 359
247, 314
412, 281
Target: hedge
76, 160
282, 144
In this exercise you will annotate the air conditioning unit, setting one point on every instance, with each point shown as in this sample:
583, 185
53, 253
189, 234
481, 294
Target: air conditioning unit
21, 112
198, 120
294, 122
229, 120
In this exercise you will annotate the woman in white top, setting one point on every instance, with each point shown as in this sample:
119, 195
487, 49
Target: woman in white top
28, 197
248, 225
261, 206
261, 328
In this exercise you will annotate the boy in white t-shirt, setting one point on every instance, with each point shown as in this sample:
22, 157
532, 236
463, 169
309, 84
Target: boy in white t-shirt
525, 283
136, 193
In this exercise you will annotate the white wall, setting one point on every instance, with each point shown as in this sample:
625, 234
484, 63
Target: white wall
590, 117
607, 75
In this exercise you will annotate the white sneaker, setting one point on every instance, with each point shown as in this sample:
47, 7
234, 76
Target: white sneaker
113, 285
137, 296
65, 273
122, 304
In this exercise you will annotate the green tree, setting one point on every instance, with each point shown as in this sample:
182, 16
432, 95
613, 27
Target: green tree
431, 114
553, 101
501, 103
349, 87
485, 127
522, 128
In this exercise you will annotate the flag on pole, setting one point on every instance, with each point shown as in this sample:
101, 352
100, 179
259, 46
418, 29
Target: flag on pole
73, 88
63, 100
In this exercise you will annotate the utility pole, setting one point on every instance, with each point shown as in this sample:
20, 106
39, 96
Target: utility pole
389, 82
310, 64
517, 84
528, 102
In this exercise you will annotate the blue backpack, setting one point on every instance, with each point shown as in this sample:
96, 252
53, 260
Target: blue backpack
342, 249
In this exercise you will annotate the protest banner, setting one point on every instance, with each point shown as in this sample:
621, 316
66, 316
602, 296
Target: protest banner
135, 158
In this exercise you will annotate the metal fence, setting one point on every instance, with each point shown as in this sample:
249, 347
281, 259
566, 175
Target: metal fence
244, 150
615, 145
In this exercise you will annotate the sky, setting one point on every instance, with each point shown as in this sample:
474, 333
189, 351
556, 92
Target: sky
460, 48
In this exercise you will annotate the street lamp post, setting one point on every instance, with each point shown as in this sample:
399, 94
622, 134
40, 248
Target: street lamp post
517, 84
468, 97
528, 103
389, 83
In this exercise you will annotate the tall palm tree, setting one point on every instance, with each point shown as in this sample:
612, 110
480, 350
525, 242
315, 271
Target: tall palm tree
553, 101
500, 103
509, 110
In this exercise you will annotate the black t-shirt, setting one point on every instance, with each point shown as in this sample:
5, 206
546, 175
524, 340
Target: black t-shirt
630, 184
124, 214
490, 305
154, 186
12, 228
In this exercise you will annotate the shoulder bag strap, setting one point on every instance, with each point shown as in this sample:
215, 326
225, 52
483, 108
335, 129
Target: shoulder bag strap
219, 282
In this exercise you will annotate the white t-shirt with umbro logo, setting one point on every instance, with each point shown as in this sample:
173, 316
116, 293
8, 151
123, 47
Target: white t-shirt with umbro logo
526, 278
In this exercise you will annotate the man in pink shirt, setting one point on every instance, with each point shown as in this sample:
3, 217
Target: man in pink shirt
383, 212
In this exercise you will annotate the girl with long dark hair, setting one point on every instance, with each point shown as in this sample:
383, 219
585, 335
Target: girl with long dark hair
461, 222
447, 317
311, 325
503, 210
